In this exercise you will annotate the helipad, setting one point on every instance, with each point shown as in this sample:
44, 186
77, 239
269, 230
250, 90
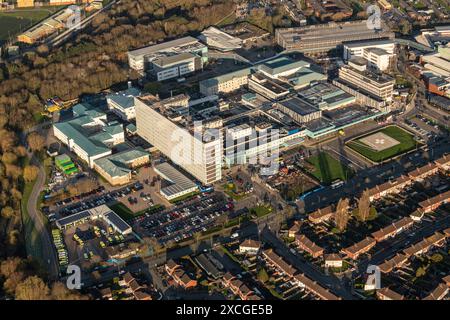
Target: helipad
379, 141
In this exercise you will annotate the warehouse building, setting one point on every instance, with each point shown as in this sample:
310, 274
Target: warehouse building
102, 212
437, 64
325, 37
179, 184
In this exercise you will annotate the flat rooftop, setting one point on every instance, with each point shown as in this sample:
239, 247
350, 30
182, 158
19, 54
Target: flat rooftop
324, 94
179, 182
180, 44
370, 43
298, 106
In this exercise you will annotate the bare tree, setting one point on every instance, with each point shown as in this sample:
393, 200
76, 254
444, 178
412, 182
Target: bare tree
342, 215
364, 205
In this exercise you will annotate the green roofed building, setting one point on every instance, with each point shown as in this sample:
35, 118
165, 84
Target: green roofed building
116, 168
88, 134
65, 164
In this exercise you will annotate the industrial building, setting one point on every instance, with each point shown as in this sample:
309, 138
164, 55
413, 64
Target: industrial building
219, 40
102, 212
122, 103
169, 59
177, 183
325, 37
437, 64
47, 27
434, 37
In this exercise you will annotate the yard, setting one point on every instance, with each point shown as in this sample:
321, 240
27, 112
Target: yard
327, 169
406, 143
260, 211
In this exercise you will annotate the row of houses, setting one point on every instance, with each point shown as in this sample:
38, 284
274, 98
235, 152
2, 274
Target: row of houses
359, 248
437, 239
333, 260
238, 287
441, 290
180, 277
285, 269
305, 244
433, 203
393, 229
131, 287
418, 174
327, 213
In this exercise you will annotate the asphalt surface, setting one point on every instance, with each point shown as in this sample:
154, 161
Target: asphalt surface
48, 249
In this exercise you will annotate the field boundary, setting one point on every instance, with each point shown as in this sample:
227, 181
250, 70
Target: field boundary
355, 152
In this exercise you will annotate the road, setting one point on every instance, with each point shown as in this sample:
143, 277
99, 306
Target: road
48, 249
49, 255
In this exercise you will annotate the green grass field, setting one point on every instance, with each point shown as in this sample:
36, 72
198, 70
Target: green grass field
12, 23
406, 140
327, 169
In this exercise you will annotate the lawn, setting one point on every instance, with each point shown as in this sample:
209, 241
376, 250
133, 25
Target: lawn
406, 140
261, 211
327, 169
230, 190
11, 23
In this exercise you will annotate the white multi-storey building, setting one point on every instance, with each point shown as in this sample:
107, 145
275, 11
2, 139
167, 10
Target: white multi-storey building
186, 146
378, 53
